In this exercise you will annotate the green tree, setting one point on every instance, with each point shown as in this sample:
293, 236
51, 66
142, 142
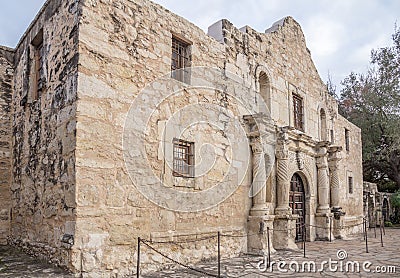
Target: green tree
395, 201
371, 100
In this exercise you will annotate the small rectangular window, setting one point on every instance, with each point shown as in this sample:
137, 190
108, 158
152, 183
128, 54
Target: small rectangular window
332, 137
37, 66
350, 185
347, 139
180, 60
298, 112
183, 158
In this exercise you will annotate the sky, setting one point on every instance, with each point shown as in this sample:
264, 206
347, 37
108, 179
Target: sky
339, 33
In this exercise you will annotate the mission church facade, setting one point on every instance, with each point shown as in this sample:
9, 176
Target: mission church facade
73, 185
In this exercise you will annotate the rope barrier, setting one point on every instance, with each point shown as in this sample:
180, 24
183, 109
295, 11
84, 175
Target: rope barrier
185, 235
219, 235
179, 263
182, 241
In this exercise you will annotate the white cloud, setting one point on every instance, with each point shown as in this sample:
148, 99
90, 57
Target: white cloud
324, 36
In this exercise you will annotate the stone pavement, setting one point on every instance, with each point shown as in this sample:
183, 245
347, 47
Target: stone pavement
246, 266
14, 263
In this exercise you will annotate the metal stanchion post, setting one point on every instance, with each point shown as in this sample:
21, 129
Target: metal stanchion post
380, 229
269, 249
138, 259
383, 225
330, 229
363, 227
219, 254
366, 237
304, 240
375, 229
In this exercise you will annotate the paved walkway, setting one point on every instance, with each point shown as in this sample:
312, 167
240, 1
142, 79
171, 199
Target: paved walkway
377, 260
13, 263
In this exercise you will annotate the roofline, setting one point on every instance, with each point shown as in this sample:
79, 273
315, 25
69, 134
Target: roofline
6, 48
36, 18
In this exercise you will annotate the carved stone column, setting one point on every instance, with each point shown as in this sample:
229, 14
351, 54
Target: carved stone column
260, 133
285, 221
323, 181
323, 216
283, 179
334, 158
259, 178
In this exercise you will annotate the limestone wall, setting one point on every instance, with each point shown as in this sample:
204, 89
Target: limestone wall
350, 166
43, 184
6, 83
282, 54
123, 47
71, 179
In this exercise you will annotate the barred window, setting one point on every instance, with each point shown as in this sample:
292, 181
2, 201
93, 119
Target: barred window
183, 158
298, 112
350, 185
180, 60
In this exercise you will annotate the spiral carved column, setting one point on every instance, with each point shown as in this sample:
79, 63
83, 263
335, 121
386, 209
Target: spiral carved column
259, 178
283, 182
323, 216
334, 158
285, 221
323, 181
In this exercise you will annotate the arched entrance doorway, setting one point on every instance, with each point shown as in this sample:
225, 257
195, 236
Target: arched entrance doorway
297, 203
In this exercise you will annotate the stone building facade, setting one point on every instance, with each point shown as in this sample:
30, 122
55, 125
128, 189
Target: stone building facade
377, 205
6, 74
95, 122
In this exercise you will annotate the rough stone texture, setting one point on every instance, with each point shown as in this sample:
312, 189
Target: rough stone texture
69, 177
43, 173
13, 263
377, 205
6, 81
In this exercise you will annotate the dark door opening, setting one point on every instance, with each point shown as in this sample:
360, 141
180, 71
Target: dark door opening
297, 204
385, 210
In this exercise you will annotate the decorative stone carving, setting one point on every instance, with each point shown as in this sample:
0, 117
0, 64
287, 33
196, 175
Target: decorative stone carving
323, 183
283, 184
334, 158
300, 160
261, 134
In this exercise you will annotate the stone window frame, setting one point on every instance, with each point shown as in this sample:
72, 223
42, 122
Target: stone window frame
350, 184
37, 67
347, 139
296, 97
181, 58
264, 88
183, 158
